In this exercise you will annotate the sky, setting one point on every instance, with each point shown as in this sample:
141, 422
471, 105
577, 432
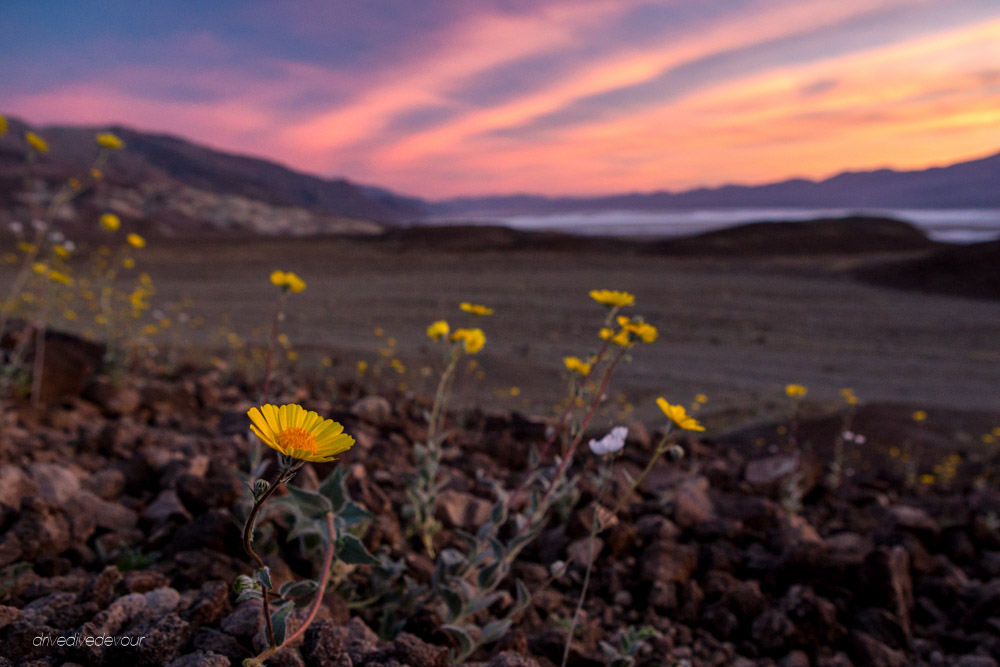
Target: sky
445, 98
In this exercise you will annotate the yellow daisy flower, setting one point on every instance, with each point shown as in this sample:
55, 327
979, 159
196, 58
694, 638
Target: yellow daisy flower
36, 142
678, 415
110, 222
612, 298
438, 330
575, 364
796, 390
289, 281
299, 434
475, 309
3, 125
108, 140
919, 416
136, 241
474, 339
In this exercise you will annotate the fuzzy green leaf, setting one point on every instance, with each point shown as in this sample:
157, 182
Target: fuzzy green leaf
264, 577
312, 505
278, 618
494, 630
297, 589
334, 488
350, 550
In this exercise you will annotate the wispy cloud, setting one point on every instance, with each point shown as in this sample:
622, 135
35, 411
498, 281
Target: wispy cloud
449, 97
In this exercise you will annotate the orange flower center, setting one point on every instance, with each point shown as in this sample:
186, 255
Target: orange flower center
296, 438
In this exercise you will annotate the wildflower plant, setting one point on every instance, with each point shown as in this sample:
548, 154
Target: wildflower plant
426, 484
322, 519
287, 282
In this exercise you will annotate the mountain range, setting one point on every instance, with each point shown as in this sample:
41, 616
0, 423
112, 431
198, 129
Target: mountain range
155, 171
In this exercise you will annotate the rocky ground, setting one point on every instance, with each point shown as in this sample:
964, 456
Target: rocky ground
118, 510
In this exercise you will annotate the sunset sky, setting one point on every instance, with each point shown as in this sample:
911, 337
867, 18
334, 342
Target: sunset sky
438, 98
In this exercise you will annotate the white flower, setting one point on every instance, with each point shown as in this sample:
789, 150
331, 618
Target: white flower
611, 443
39, 225
16, 227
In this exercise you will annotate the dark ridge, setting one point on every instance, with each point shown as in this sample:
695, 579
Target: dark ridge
854, 235
847, 236
971, 271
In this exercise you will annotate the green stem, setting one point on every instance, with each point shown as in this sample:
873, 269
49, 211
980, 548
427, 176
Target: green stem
275, 325
661, 447
316, 603
248, 547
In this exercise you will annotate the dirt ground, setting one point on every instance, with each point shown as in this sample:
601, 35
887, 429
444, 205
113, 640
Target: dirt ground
737, 330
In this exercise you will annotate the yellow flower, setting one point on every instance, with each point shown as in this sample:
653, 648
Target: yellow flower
475, 309
678, 415
701, 398
287, 280
438, 330
362, 367
26, 247
60, 277
606, 333
136, 241
108, 140
70, 315
927, 478
612, 298
110, 222
96, 174
515, 391
919, 416
3, 125
128, 263
39, 268
574, 364
299, 434
473, 339
36, 142
60, 251
326, 362
795, 390
621, 339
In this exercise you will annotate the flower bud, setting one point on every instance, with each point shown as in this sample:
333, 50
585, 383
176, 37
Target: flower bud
260, 487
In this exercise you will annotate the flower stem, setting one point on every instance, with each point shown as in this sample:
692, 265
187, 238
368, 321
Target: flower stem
316, 603
248, 547
268, 365
595, 527
661, 447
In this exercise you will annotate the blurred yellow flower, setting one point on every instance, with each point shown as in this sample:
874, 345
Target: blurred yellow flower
475, 309
678, 415
701, 398
515, 391
298, 434
575, 364
60, 251
70, 315
473, 339
3, 124
919, 416
612, 298
136, 241
438, 330
288, 281
108, 140
96, 174
128, 263
36, 142
26, 247
60, 277
362, 367
326, 362
110, 222
796, 390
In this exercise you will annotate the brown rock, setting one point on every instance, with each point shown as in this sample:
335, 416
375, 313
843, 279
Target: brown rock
375, 410
866, 650
200, 659
15, 485
323, 646
692, 503
585, 550
57, 484
764, 474
885, 576
114, 400
457, 509
105, 484
165, 507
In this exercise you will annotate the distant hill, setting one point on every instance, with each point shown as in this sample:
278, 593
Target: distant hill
159, 157
179, 187
972, 184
